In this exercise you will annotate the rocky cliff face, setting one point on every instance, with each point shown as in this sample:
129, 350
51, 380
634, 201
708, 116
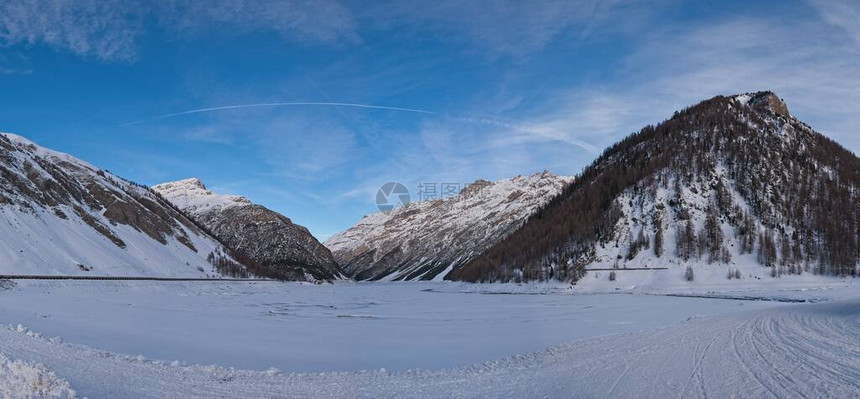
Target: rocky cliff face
765, 101
430, 239
60, 215
733, 186
271, 242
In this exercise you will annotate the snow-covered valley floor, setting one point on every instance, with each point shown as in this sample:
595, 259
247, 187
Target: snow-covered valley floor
150, 339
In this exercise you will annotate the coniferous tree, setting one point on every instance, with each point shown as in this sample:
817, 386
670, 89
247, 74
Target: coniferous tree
688, 274
686, 241
658, 241
785, 252
713, 235
767, 249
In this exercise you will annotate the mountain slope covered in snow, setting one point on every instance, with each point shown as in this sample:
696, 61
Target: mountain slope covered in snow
269, 242
62, 216
428, 239
734, 187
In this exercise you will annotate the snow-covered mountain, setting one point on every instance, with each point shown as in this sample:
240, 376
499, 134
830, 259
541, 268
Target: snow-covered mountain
62, 216
270, 243
428, 239
734, 187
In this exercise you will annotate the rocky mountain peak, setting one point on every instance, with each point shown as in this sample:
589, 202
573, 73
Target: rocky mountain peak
191, 195
765, 100
193, 182
426, 240
270, 243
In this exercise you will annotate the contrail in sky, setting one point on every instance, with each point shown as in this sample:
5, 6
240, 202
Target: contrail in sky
481, 120
268, 105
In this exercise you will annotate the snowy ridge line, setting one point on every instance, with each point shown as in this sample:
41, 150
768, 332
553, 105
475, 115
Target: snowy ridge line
125, 278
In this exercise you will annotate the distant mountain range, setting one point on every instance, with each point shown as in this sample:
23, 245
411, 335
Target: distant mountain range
733, 184
62, 216
430, 239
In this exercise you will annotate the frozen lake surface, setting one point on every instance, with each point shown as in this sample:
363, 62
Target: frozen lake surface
146, 339
302, 327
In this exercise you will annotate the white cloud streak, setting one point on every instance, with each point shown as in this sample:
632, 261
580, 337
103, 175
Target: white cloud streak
104, 30
109, 30
511, 27
811, 63
844, 14
315, 21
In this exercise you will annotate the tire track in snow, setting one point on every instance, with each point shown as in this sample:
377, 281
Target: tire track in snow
696, 374
747, 369
757, 334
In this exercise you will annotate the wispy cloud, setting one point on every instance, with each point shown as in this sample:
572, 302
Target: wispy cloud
14, 64
810, 64
321, 21
511, 27
104, 30
15, 71
296, 146
844, 14
109, 30
306, 148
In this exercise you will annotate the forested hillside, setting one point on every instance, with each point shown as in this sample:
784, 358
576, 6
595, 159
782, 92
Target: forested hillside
728, 182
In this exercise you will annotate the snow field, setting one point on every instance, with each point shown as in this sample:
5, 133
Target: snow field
153, 340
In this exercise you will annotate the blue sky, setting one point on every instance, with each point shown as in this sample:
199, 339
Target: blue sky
503, 88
